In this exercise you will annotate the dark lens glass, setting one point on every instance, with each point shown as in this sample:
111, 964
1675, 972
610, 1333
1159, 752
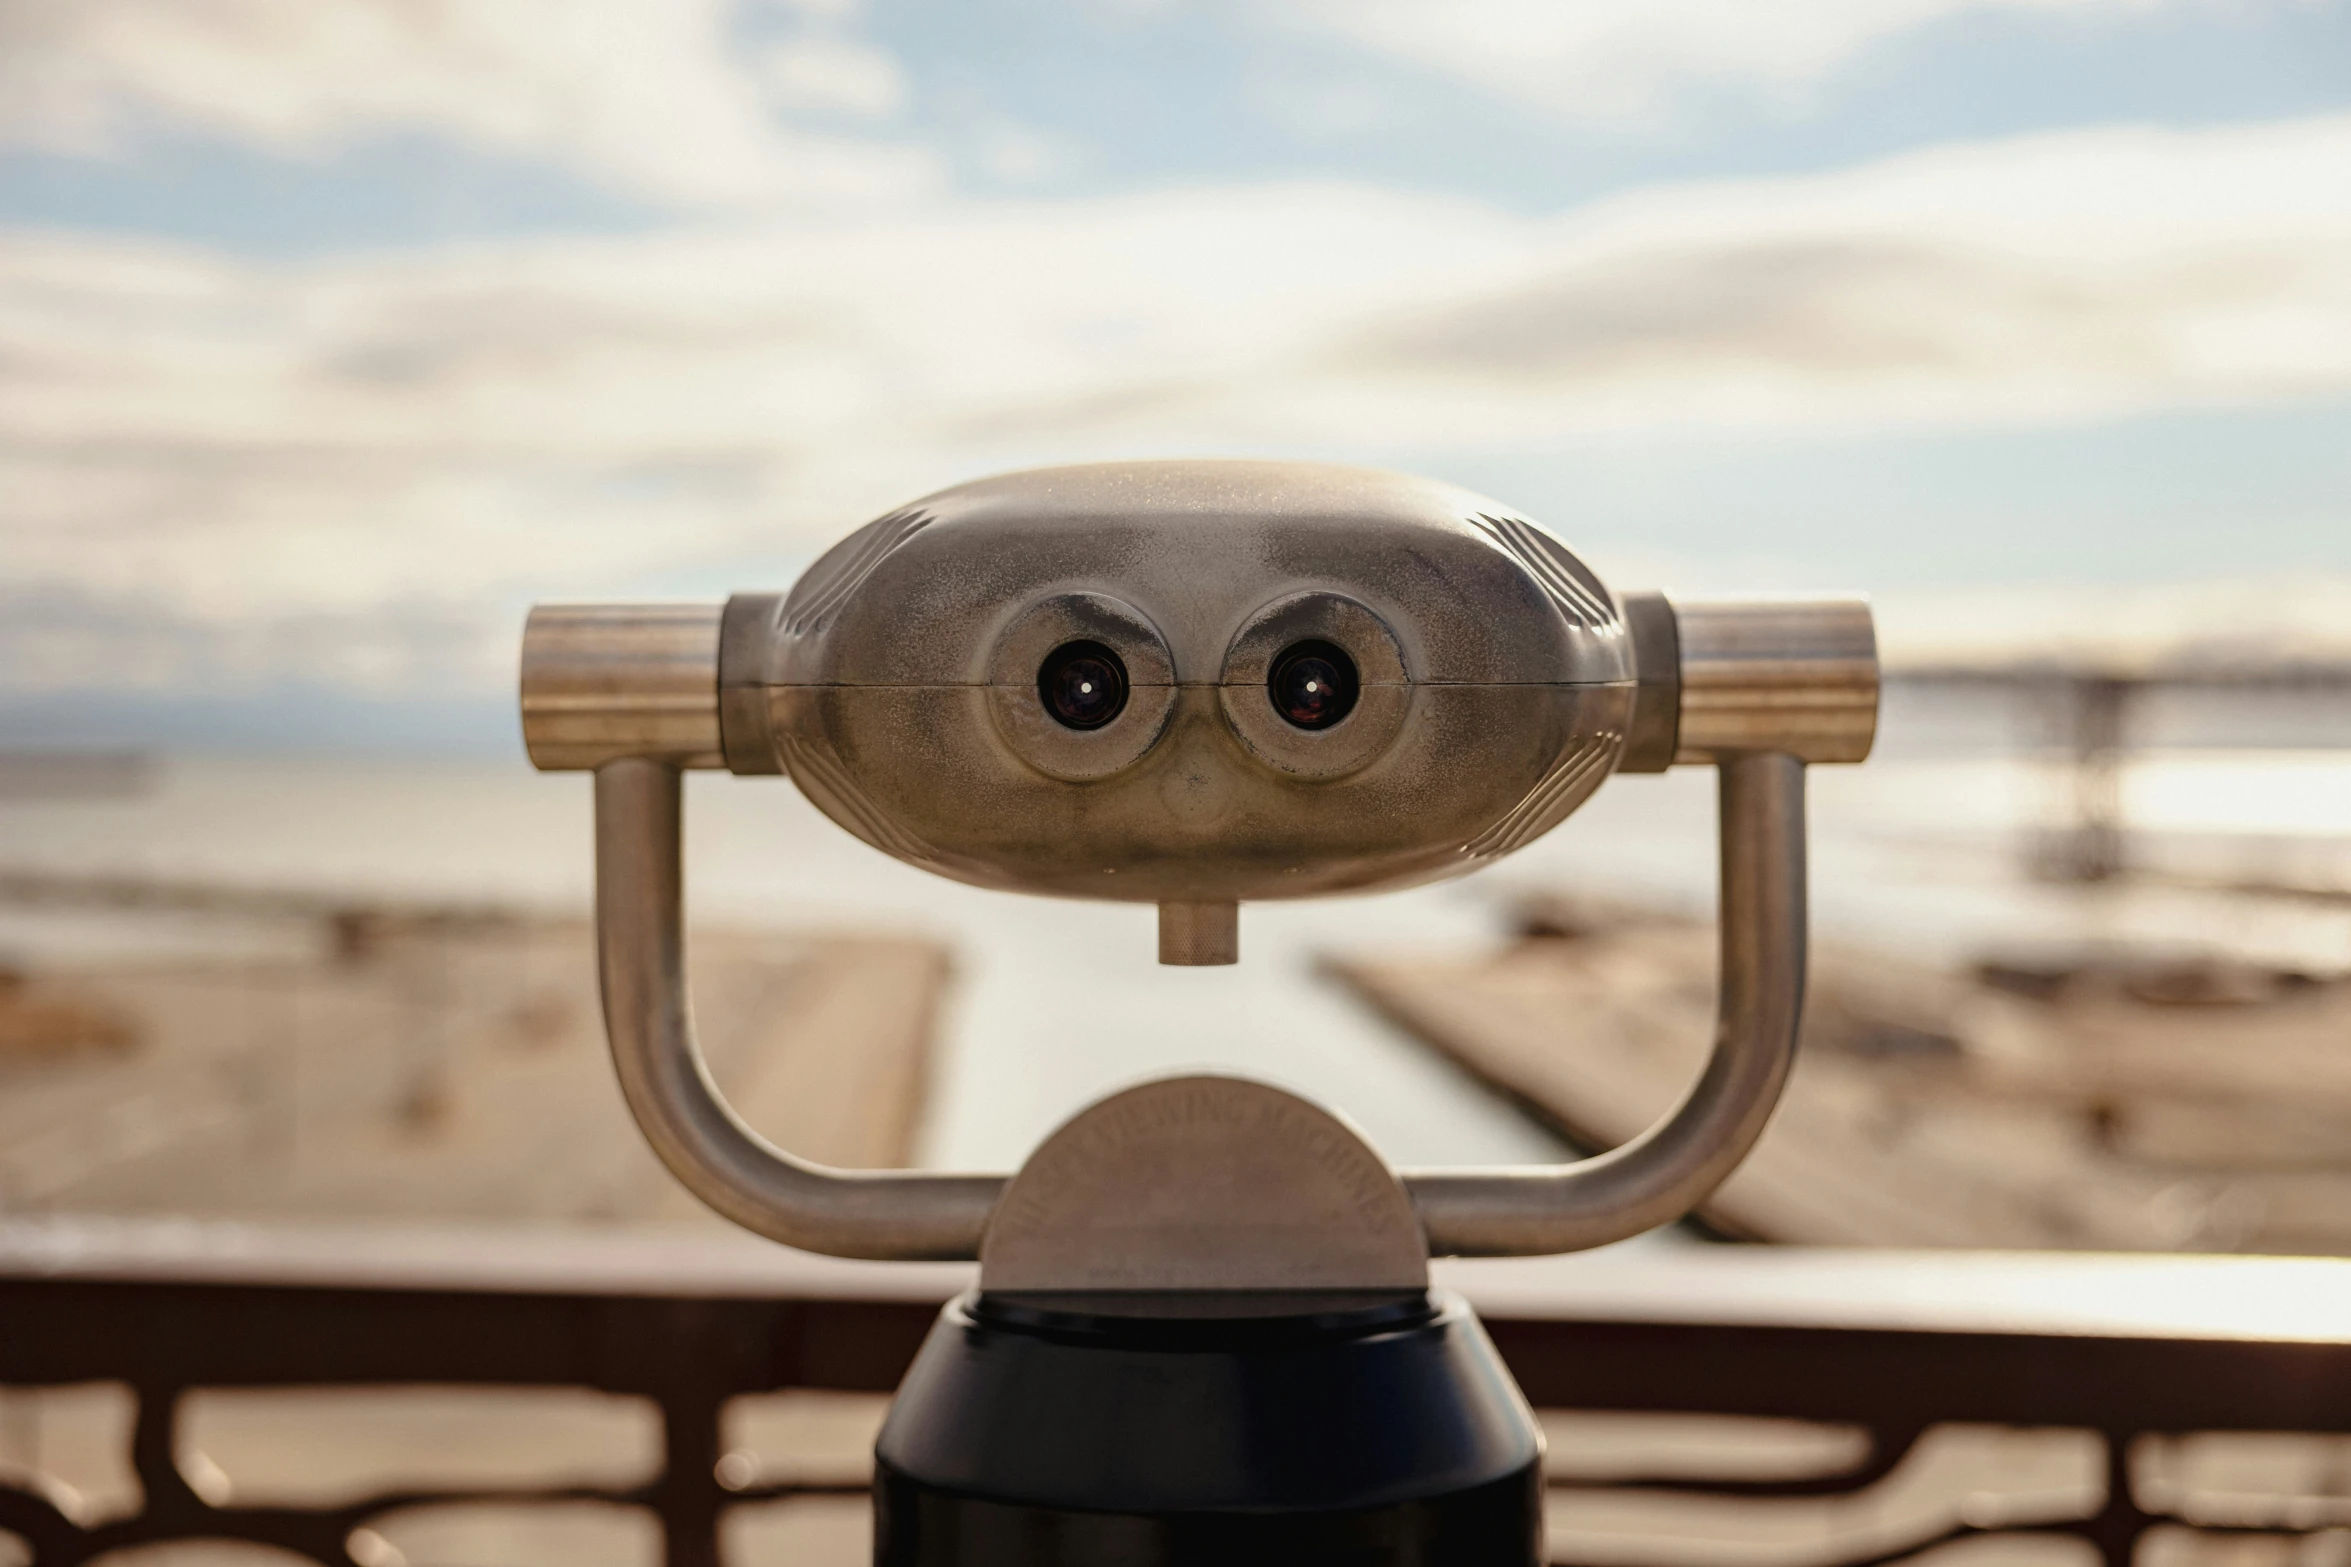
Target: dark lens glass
1313, 685
1082, 684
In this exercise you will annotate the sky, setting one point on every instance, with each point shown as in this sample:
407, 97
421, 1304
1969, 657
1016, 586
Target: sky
333, 333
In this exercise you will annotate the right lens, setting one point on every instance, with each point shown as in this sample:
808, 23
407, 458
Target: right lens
1313, 684
1082, 684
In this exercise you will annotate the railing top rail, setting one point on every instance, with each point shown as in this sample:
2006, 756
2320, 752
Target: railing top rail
2047, 1294
2326, 675
637, 1260
2087, 1295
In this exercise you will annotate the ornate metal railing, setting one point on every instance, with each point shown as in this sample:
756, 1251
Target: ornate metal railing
1889, 1350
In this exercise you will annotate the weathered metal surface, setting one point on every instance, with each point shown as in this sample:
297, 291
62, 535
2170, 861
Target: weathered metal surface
1199, 935
903, 681
1204, 1183
1649, 1181
601, 681
1654, 733
641, 955
1491, 682
1193, 683
1792, 675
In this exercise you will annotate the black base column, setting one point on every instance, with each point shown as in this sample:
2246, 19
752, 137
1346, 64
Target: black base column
1369, 1431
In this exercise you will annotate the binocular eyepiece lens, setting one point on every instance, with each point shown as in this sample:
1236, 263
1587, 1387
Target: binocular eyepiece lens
1082, 684
1313, 684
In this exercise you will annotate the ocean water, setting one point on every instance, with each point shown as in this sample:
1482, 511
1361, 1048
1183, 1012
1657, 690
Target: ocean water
1057, 1002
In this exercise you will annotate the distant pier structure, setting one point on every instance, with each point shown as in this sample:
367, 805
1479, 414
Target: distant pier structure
2088, 715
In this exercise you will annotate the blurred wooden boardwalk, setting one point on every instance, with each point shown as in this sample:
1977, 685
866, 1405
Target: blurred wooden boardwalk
437, 1067
2182, 1109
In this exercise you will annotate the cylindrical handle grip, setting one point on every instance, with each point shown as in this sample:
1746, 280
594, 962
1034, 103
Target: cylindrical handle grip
606, 681
1795, 676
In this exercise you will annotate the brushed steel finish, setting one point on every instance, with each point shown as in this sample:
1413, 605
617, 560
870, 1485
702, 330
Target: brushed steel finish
900, 674
641, 960
1509, 1211
921, 775
1199, 935
1386, 690
744, 632
1500, 683
1672, 1167
1036, 736
1204, 1183
1792, 675
604, 681
1655, 730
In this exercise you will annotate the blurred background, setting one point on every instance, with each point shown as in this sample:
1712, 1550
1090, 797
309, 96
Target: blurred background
334, 333
337, 332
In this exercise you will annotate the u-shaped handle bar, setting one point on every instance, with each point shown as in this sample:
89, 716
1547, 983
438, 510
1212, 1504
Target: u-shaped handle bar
1532, 1210
904, 1214
641, 958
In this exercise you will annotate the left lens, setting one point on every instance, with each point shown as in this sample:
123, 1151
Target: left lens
1082, 684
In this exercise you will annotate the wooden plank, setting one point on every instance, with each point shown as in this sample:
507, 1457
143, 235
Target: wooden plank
1999, 1132
455, 1069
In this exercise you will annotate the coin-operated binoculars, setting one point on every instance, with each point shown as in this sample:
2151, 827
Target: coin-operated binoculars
1204, 1329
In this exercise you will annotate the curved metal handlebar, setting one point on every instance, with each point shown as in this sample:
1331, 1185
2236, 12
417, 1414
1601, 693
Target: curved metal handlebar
640, 952
1669, 1169
1503, 1211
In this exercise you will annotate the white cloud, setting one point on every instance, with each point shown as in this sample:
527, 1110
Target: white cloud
836, 76
2061, 276
1018, 155
819, 10
646, 98
1624, 62
254, 444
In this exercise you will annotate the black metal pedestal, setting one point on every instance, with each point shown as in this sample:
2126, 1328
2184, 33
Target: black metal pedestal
1046, 1431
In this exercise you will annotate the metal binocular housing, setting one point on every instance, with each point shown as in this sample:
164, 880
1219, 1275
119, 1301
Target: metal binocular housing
1198, 684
